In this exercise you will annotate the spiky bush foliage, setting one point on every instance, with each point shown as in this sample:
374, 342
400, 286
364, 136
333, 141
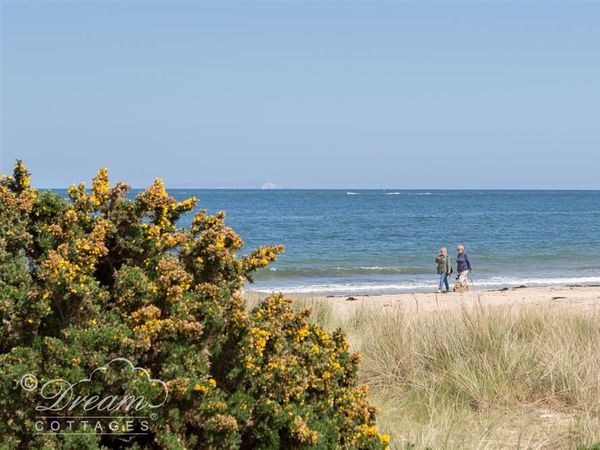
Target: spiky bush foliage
99, 275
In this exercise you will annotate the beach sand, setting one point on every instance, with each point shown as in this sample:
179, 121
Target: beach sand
582, 298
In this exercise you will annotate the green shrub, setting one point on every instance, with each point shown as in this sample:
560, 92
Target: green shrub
99, 277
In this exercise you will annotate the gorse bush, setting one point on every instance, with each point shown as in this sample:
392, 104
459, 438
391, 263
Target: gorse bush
100, 277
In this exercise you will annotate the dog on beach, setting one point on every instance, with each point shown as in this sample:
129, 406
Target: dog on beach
461, 286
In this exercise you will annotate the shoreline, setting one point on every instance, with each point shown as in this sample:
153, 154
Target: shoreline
359, 286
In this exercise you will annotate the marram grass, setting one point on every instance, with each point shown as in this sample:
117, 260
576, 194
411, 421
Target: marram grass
486, 377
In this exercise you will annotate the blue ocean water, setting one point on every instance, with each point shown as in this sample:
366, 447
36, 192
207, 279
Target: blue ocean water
383, 241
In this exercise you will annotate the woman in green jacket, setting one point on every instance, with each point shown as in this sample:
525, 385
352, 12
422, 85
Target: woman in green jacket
444, 268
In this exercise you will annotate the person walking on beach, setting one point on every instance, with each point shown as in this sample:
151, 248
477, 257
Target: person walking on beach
444, 269
463, 266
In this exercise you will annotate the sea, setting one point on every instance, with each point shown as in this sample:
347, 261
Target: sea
345, 242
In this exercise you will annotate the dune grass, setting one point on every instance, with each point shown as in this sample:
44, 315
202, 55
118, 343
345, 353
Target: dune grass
524, 377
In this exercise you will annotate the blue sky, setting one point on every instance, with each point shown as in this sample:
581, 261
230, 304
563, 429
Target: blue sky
304, 95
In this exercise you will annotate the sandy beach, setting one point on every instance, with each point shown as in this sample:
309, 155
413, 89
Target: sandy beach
583, 298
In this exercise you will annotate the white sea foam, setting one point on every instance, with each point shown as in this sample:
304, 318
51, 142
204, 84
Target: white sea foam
325, 288
389, 193
414, 286
408, 193
536, 281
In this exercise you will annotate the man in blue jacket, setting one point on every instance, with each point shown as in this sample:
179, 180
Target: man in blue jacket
463, 264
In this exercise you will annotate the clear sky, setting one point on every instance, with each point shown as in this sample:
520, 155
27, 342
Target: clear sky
303, 95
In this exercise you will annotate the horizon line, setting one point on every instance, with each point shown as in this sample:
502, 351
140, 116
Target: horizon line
345, 189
